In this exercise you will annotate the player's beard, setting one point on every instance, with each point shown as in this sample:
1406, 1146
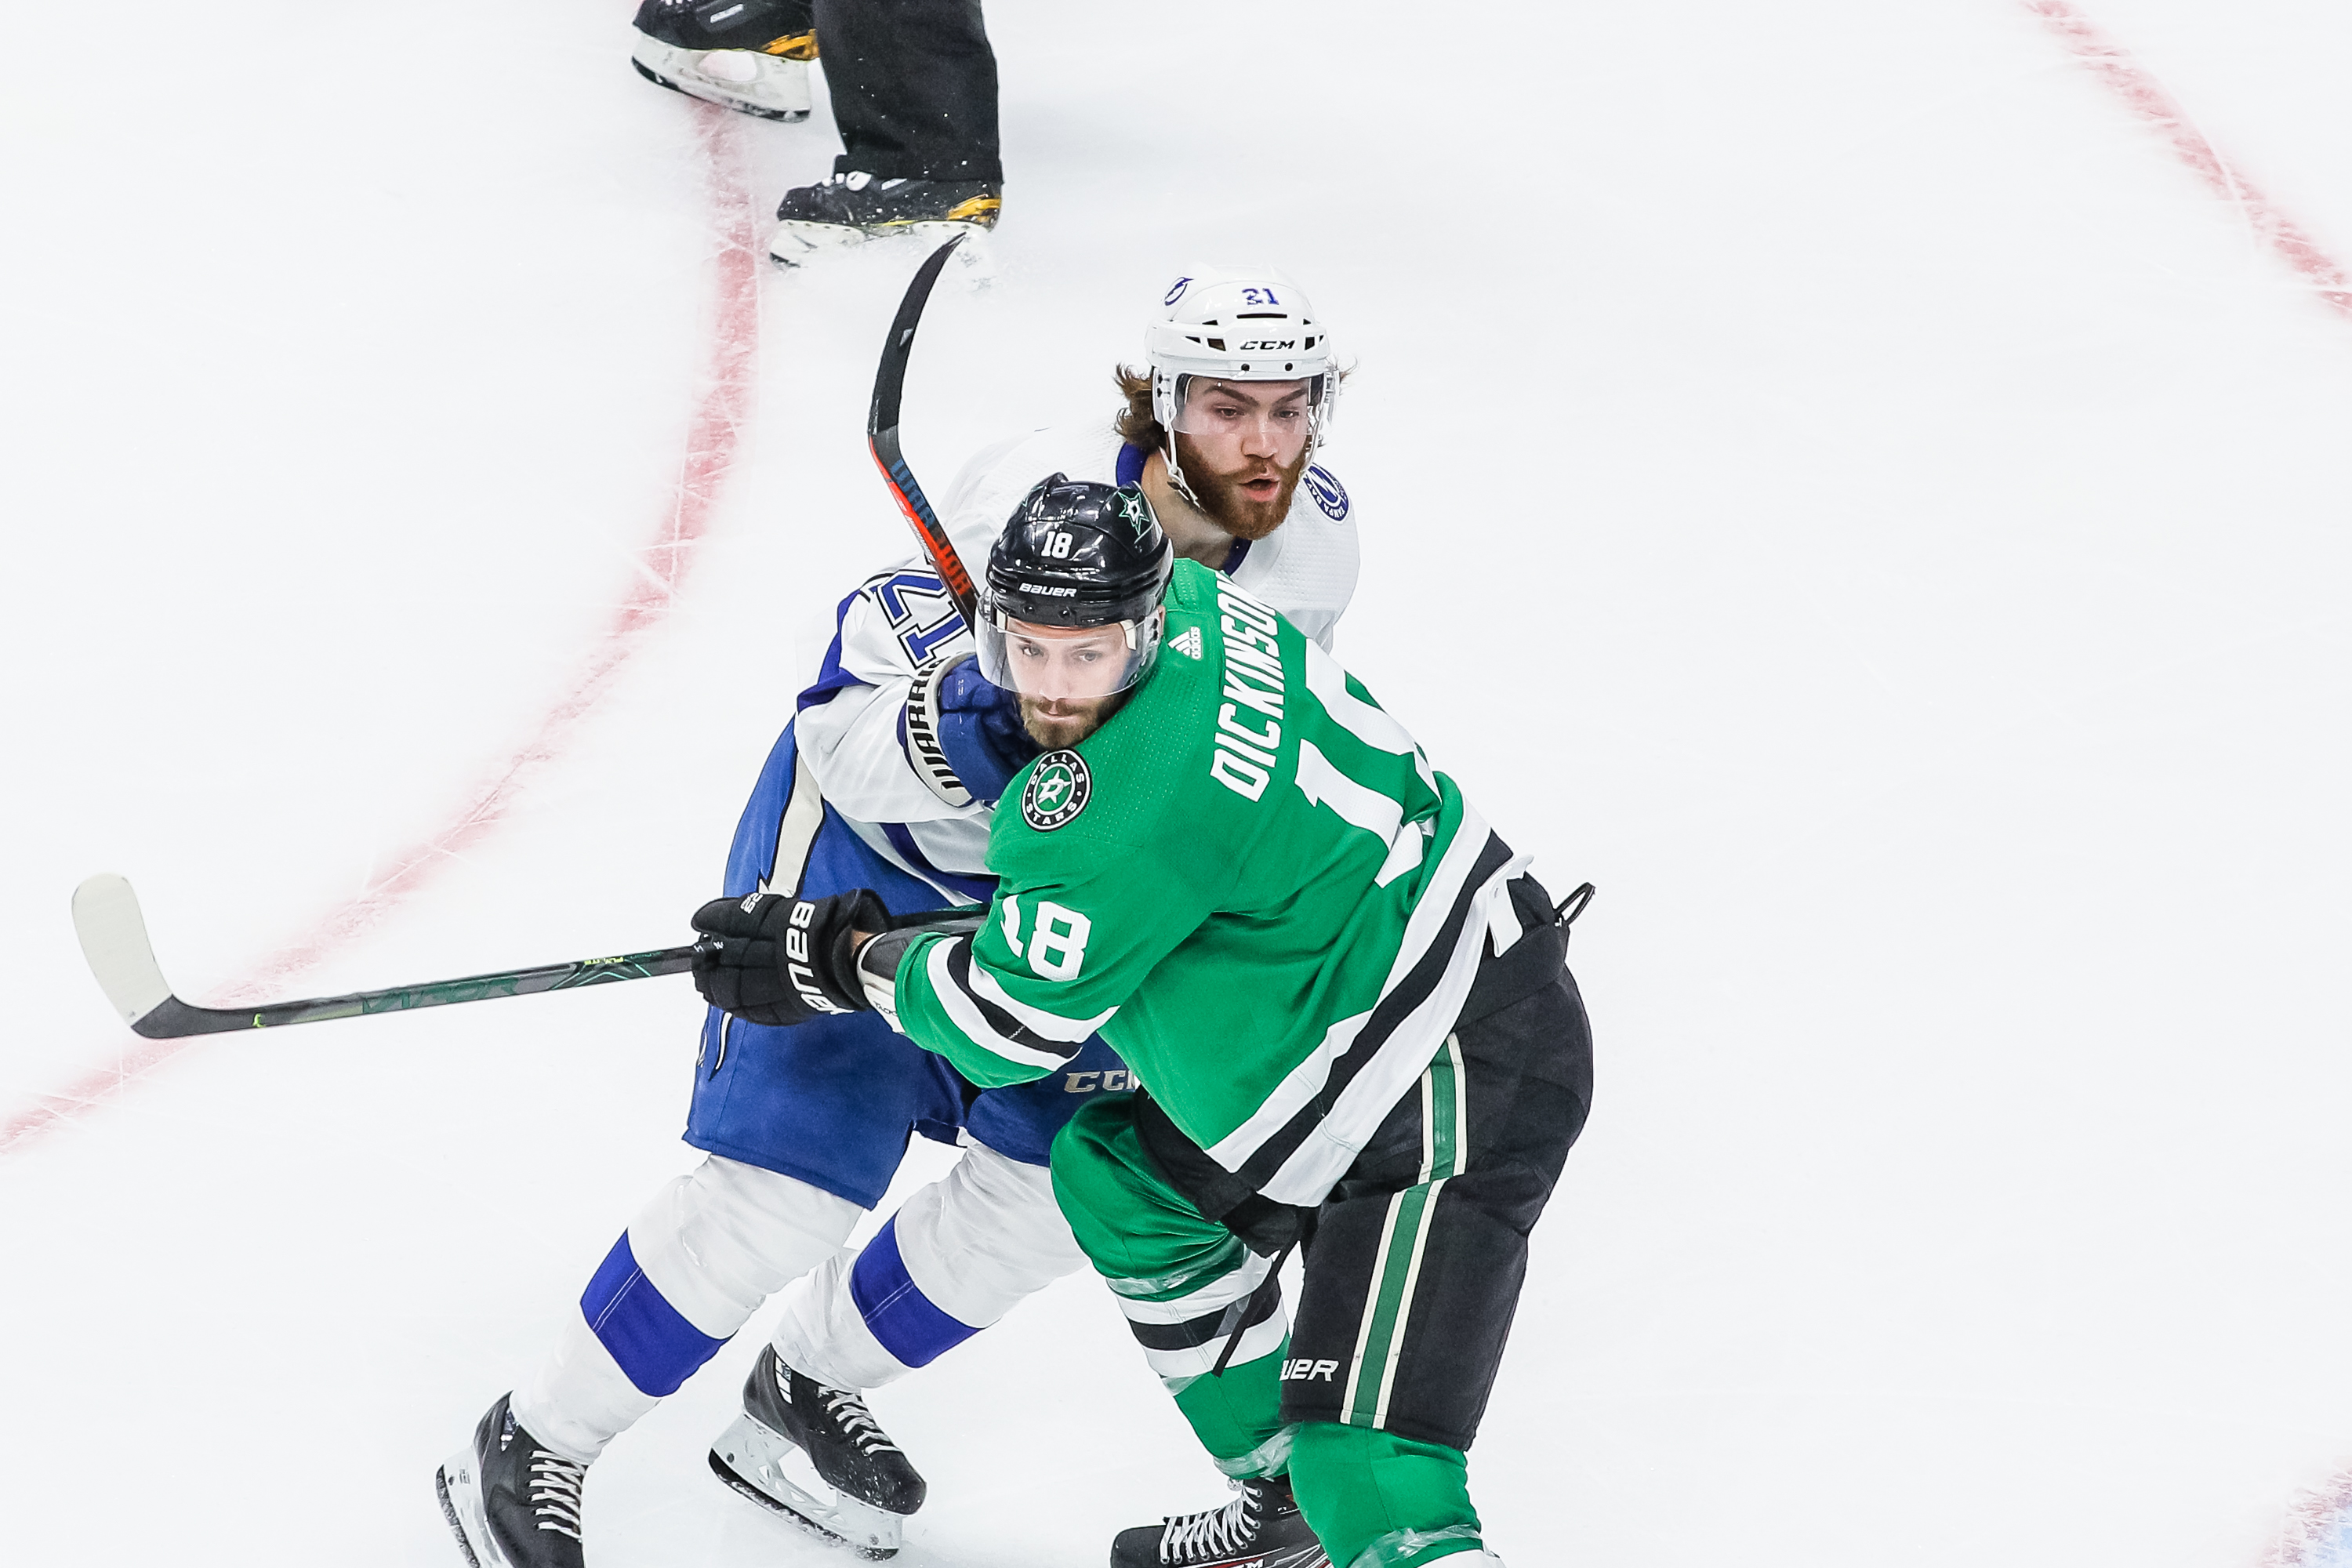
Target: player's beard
1066, 725
1229, 506
1069, 720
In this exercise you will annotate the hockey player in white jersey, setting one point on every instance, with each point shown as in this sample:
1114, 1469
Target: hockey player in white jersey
886, 779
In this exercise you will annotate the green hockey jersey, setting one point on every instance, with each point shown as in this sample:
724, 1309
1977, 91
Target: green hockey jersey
1249, 881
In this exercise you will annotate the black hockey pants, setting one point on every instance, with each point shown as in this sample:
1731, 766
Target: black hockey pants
913, 84
1413, 1263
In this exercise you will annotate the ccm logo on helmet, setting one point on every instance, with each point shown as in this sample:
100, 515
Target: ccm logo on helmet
1268, 345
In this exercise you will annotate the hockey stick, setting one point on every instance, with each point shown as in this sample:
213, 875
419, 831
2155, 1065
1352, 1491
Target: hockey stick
115, 938
882, 436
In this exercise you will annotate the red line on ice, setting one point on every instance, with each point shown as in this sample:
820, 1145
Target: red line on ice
2314, 1527
2319, 1520
712, 436
2145, 97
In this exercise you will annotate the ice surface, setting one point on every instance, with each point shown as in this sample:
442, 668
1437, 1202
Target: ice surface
1830, 474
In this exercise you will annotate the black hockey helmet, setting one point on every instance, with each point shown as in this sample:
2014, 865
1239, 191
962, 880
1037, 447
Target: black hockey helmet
1074, 554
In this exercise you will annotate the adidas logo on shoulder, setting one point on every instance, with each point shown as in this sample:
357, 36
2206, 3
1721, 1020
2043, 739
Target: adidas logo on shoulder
1189, 645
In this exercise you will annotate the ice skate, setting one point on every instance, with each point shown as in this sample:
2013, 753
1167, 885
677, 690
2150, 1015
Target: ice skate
751, 81
1262, 1528
511, 1502
849, 209
793, 1432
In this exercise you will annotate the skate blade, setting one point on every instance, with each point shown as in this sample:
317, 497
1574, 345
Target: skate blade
673, 69
461, 1504
795, 242
749, 1457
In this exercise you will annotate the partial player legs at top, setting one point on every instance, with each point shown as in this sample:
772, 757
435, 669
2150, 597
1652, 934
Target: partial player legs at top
913, 87
913, 84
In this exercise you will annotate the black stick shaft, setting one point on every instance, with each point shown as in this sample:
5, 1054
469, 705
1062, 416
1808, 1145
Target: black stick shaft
882, 436
174, 1019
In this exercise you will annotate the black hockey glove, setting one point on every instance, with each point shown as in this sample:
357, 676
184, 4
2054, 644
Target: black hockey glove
785, 961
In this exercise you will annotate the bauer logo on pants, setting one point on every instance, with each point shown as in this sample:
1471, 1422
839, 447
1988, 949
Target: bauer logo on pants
1056, 790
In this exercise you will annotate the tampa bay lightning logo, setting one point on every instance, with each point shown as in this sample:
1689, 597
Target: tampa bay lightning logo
1176, 291
1327, 493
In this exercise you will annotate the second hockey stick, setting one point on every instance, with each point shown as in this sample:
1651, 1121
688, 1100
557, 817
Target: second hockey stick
113, 935
882, 436
115, 938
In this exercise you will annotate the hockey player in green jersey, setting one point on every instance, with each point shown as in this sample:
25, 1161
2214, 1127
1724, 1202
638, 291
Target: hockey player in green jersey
1347, 1007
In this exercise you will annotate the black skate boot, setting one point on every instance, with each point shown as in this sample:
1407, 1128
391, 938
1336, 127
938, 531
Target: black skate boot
513, 1503
1260, 1529
751, 57
848, 209
793, 1420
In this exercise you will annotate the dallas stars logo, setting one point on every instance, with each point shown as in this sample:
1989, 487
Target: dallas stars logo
1056, 790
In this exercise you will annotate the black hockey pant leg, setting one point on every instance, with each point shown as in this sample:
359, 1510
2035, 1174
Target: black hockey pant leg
913, 84
1413, 1278
1413, 1272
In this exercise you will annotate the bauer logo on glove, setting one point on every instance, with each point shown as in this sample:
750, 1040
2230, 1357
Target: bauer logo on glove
782, 961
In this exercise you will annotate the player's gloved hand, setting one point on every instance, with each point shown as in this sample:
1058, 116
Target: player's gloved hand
784, 960
977, 726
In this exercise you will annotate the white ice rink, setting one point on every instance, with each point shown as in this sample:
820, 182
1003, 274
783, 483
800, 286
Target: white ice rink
1832, 472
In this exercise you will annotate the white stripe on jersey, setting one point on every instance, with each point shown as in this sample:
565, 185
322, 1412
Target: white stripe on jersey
1052, 1026
965, 1015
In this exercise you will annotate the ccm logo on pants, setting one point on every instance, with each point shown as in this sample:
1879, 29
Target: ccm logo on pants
1306, 1370
1085, 1082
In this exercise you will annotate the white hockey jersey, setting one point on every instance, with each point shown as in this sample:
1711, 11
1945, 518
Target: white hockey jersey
852, 725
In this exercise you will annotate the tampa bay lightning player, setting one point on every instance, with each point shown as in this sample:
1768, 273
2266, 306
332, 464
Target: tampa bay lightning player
886, 779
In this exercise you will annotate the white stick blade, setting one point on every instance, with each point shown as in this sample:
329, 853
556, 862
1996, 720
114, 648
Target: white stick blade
115, 938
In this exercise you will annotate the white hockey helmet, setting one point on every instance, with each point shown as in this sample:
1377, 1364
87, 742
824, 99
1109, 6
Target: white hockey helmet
1238, 323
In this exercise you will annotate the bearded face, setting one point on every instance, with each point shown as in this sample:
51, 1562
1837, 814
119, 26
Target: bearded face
1243, 446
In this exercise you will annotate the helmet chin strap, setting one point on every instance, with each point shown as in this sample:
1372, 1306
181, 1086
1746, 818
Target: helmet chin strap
1182, 485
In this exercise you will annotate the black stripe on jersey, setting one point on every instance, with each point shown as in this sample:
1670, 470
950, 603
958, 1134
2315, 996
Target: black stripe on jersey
1391, 1010
1007, 1025
1210, 1327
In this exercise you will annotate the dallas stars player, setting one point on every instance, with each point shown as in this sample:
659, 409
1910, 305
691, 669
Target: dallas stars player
1350, 1007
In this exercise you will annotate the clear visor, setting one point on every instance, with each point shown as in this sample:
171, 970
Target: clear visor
1066, 664
1265, 418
